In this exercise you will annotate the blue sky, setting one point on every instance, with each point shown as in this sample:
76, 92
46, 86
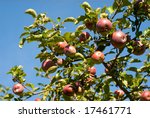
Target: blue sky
12, 21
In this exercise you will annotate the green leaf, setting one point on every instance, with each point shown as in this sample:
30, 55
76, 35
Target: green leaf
80, 27
31, 12
110, 9
70, 19
30, 85
21, 43
135, 61
134, 69
24, 34
86, 5
58, 19
126, 3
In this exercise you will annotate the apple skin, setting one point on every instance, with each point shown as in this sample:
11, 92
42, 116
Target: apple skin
97, 57
37, 99
60, 47
138, 48
91, 25
47, 64
60, 61
103, 26
70, 50
68, 90
84, 36
145, 96
119, 93
18, 89
118, 39
92, 70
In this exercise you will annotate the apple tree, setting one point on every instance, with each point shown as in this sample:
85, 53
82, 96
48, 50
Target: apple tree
110, 39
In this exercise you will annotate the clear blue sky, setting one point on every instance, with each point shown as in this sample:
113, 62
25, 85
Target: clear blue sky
12, 21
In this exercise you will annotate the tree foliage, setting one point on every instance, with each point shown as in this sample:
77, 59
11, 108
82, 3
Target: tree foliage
122, 66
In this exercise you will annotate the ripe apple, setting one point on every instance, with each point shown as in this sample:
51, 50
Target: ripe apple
37, 99
145, 95
60, 46
138, 48
70, 50
98, 57
18, 89
68, 90
84, 36
47, 64
119, 93
92, 70
118, 39
60, 61
103, 26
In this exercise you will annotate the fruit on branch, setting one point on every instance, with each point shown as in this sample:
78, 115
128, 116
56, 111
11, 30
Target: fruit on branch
70, 50
145, 96
92, 70
97, 57
60, 46
138, 48
118, 39
78, 87
84, 36
18, 89
47, 64
107, 70
37, 99
103, 26
119, 93
60, 61
69, 90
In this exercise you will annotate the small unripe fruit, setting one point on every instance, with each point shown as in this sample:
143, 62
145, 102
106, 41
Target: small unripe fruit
18, 89
47, 64
103, 26
145, 96
118, 39
68, 90
98, 57
84, 36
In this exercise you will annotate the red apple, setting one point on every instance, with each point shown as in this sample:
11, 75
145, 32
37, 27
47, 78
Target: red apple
92, 70
118, 39
84, 36
70, 50
47, 64
37, 99
98, 57
119, 93
60, 46
103, 26
18, 89
138, 48
60, 61
145, 95
68, 90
